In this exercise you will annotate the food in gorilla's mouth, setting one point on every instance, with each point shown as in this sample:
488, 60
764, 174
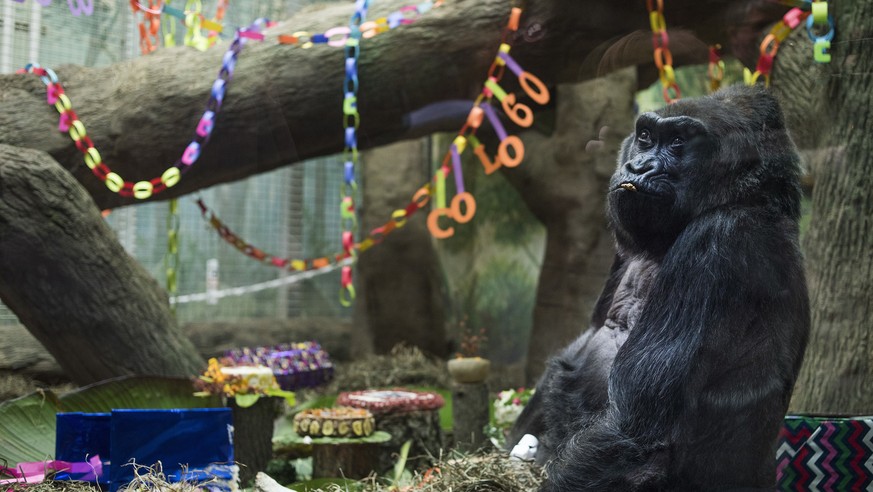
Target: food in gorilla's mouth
628, 187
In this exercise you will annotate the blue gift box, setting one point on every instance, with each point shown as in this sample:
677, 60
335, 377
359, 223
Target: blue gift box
82, 437
194, 445
191, 444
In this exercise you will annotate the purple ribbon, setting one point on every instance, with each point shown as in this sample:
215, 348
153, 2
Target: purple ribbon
456, 165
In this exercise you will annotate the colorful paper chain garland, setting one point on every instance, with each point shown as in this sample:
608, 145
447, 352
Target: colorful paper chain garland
337, 37
69, 122
262, 256
770, 46
192, 18
463, 205
662, 54
351, 120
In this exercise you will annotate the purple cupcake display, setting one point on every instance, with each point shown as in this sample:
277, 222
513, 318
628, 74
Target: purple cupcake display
295, 365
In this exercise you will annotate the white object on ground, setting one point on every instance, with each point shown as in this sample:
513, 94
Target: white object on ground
265, 483
526, 449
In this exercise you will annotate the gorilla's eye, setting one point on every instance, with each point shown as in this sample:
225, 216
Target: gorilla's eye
677, 142
644, 136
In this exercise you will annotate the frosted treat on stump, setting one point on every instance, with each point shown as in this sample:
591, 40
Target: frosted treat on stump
254, 377
397, 400
334, 422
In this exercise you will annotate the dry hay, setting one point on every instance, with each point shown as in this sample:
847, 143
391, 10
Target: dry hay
484, 472
14, 385
146, 479
488, 472
52, 486
404, 366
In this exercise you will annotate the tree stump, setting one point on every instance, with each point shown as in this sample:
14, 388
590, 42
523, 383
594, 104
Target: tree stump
470, 415
351, 458
422, 427
406, 415
346, 460
253, 435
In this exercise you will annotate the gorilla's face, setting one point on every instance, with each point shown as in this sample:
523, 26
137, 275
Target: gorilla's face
659, 177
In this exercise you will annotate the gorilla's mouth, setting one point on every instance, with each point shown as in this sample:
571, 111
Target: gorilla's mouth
653, 187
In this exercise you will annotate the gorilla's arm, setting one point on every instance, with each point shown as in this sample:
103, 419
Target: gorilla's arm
707, 366
601, 308
568, 362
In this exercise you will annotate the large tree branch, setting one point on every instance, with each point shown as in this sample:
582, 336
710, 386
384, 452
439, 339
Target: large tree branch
72, 284
284, 102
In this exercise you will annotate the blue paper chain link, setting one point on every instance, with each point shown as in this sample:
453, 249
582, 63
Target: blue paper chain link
351, 120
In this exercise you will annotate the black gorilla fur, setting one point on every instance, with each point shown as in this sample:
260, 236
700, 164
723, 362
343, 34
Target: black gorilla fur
682, 380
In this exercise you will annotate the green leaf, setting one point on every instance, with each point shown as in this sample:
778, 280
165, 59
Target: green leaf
287, 395
27, 428
246, 400
288, 437
136, 392
400, 465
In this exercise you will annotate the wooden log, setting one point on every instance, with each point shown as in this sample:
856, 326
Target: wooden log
470, 414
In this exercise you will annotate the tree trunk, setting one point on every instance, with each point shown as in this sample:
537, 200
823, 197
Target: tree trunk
563, 180
64, 274
400, 297
837, 373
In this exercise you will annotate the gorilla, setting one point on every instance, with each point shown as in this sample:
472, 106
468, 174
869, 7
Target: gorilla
683, 377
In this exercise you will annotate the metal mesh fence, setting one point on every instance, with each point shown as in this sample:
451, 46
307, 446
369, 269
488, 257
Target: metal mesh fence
291, 212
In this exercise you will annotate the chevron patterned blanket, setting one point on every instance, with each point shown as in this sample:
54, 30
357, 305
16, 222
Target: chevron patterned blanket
825, 453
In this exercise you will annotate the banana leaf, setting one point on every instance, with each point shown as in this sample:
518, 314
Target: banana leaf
27, 424
27, 428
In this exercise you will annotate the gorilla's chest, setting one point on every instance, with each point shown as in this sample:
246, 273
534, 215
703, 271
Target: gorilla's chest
631, 293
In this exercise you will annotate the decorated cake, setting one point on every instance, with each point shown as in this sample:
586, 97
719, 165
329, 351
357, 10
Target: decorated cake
295, 365
334, 422
397, 400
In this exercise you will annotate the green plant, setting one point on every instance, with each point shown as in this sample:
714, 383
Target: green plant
471, 342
